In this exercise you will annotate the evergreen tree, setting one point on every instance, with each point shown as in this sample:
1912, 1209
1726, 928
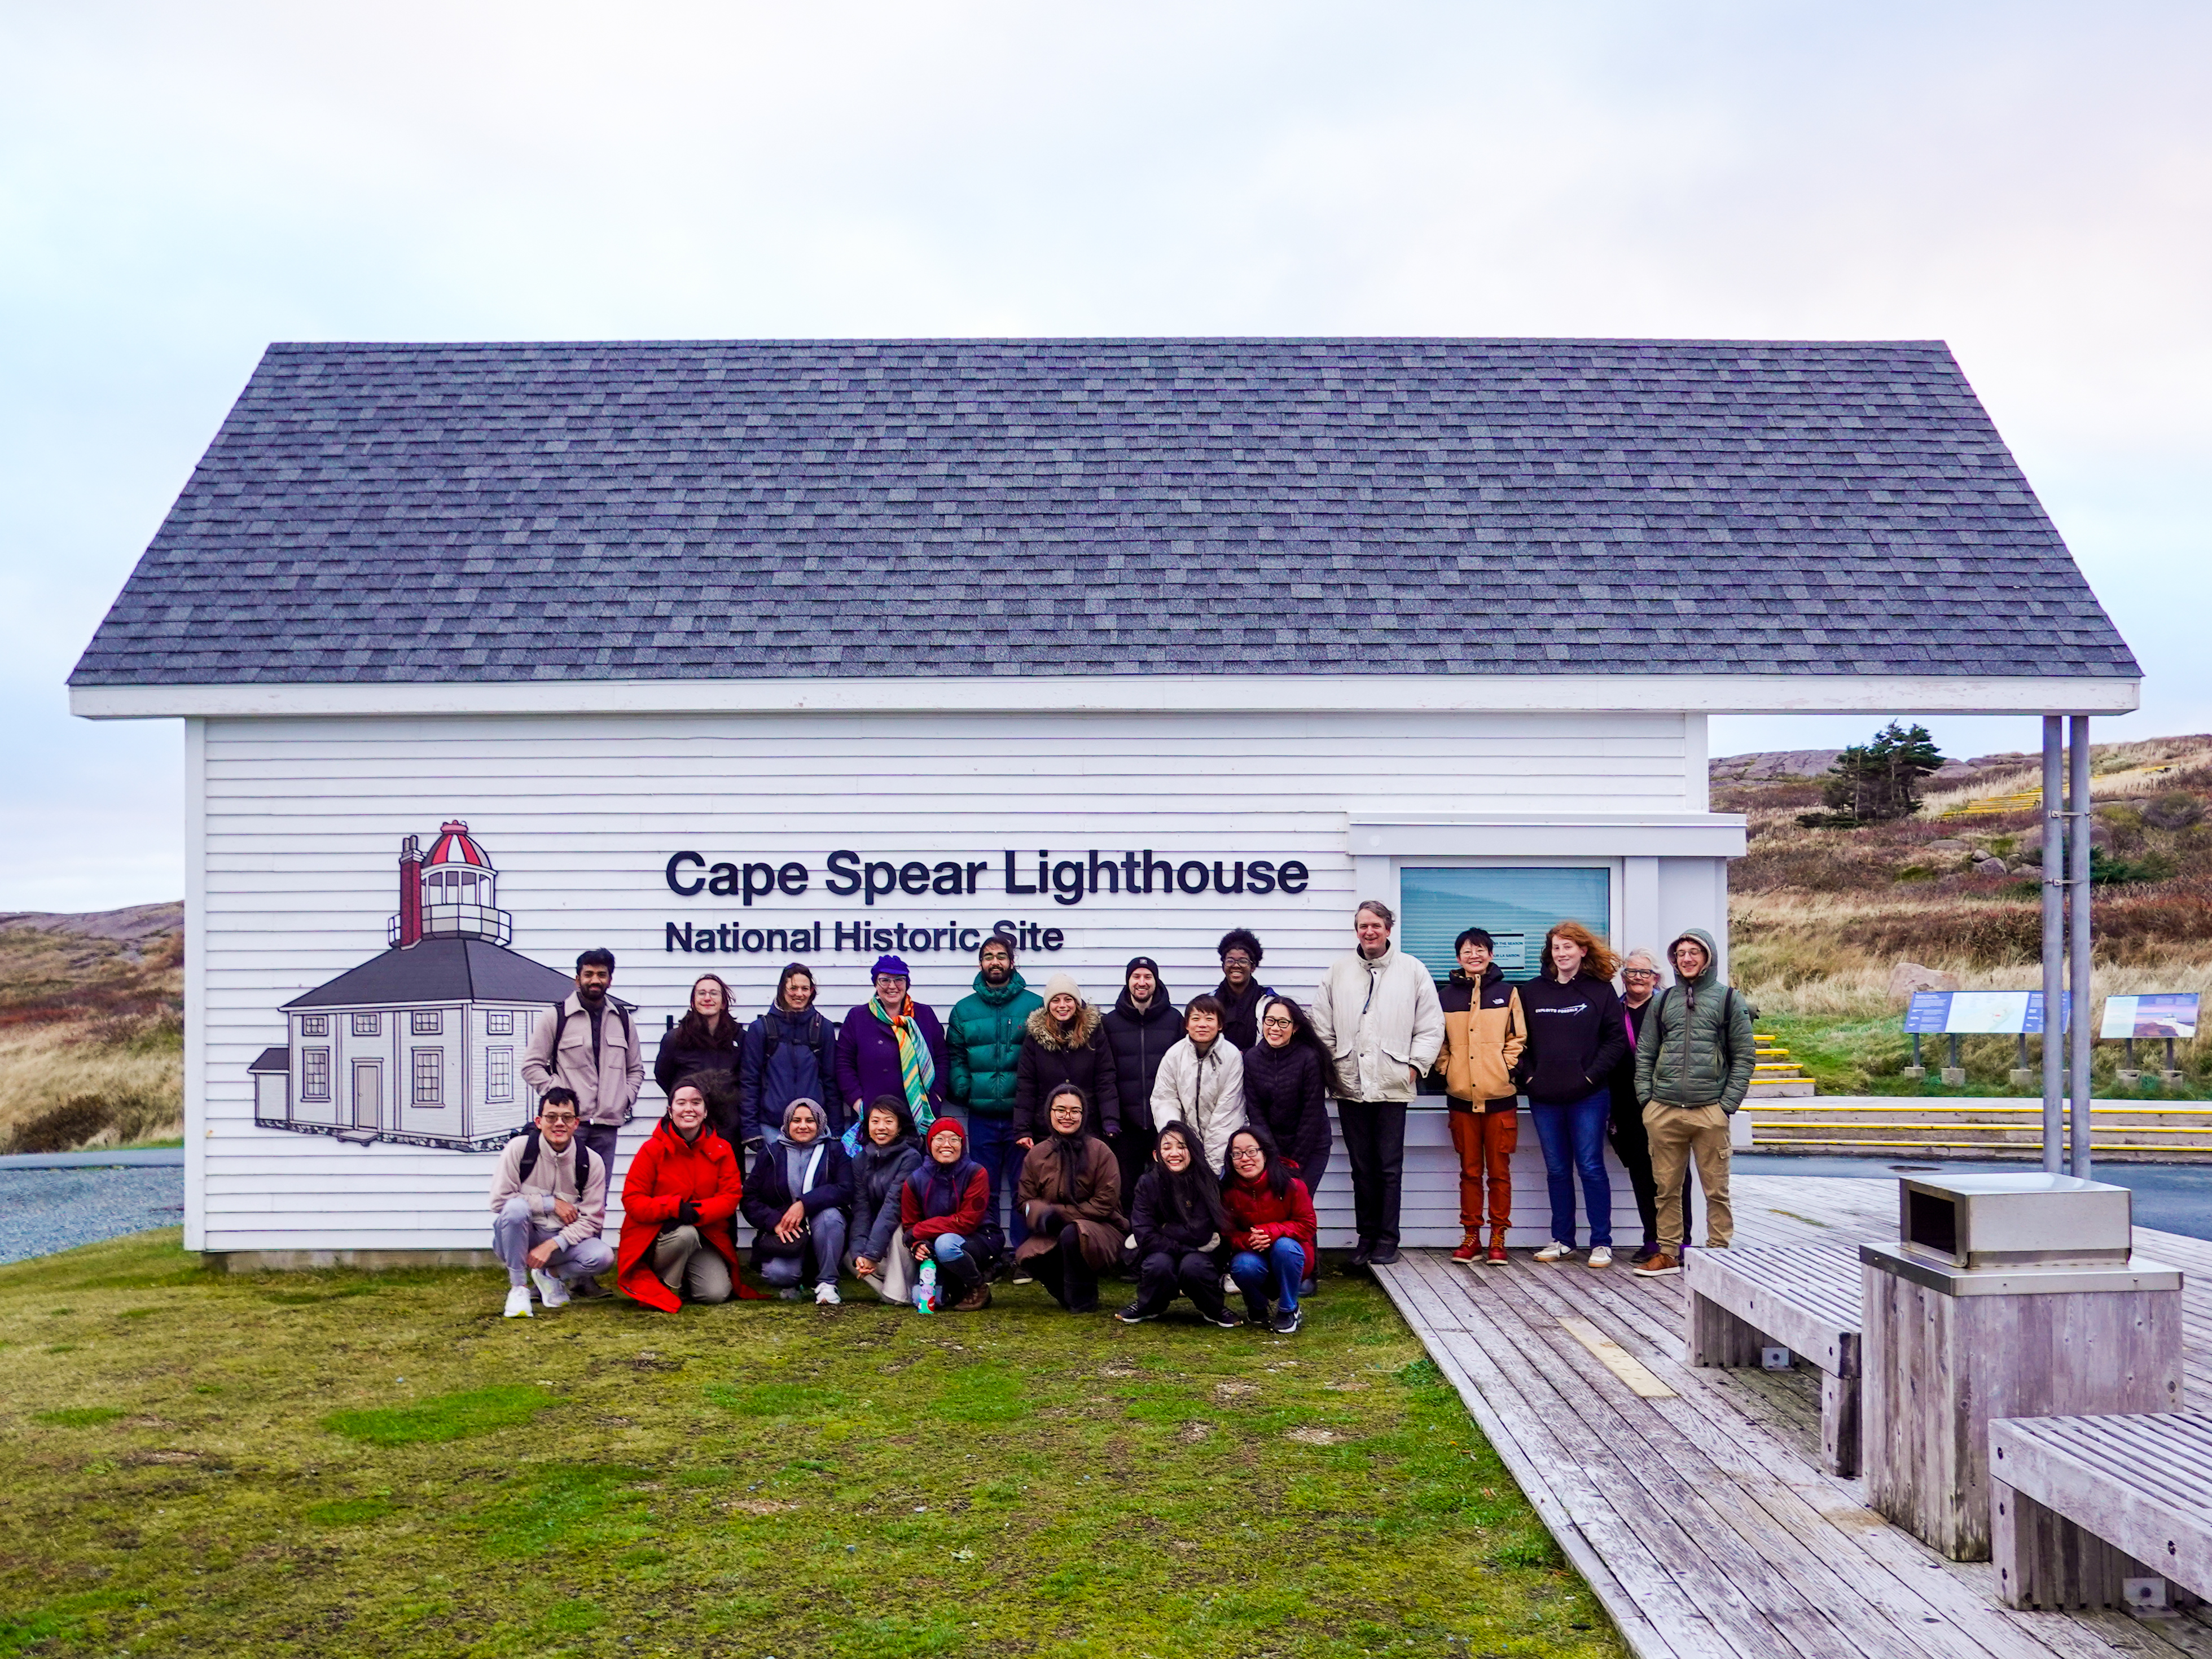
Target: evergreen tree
1879, 781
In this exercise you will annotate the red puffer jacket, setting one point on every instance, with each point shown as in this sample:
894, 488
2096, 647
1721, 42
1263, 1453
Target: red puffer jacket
1253, 1205
666, 1170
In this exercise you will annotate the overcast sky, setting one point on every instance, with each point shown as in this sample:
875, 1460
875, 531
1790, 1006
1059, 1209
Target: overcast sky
179, 185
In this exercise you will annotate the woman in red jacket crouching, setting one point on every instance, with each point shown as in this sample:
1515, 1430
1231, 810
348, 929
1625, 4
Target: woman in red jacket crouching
1275, 1233
677, 1200
942, 1210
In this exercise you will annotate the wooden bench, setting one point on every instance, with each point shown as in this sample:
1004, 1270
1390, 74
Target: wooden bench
1806, 1300
2081, 1504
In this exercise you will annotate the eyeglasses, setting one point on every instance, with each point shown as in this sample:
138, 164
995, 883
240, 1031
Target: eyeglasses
1639, 973
557, 1117
1248, 1155
1235, 959
1276, 1022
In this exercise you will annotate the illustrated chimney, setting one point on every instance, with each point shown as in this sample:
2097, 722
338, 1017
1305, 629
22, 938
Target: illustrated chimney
410, 890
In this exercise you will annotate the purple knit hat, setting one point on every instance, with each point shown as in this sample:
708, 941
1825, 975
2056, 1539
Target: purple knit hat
889, 965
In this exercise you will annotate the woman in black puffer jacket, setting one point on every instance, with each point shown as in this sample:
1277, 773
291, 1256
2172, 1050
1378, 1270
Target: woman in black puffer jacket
704, 1046
1283, 1088
890, 1151
1065, 1041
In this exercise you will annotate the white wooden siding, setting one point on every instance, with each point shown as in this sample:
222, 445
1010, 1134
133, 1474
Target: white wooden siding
297, 870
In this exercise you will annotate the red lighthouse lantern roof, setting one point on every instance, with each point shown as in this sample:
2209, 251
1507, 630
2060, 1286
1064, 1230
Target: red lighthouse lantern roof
455, 845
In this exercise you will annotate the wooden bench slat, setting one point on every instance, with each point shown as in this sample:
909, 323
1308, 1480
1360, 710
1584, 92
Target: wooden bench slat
2135, 1483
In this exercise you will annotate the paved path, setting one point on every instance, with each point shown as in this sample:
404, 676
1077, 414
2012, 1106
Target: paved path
1702, 1518
44, 1210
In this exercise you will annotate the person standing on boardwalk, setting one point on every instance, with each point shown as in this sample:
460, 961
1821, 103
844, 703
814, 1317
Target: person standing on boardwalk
1484, 1033
1377, 1013
892, 1045
1640, 979
1240, 992
1577, 1035
790, 1054
590, 1045
549, 1205
1694, 1067
983, 1042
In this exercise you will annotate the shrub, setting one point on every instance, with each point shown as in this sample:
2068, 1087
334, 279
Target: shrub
2175, 810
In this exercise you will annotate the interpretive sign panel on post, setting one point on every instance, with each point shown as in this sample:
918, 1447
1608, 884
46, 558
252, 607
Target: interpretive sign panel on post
2166, 1014
1976, 1013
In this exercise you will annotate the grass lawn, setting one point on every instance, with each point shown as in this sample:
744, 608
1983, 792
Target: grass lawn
358, 1464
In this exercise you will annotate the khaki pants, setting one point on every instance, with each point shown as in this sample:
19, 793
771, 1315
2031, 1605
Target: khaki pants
690, 1266
1676, 1134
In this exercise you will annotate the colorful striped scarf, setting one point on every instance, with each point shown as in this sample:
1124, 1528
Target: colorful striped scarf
917, 1071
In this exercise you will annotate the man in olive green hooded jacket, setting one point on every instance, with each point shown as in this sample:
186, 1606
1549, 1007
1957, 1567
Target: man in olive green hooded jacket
1693, 1065
983, 1039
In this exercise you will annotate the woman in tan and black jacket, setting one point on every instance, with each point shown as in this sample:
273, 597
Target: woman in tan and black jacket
1484, 1033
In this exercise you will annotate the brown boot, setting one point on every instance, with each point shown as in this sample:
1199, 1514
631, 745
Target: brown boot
1665, 1265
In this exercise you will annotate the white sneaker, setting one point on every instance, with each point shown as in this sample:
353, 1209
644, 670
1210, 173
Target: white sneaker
1601, 1256
551, 1290
517, 1301
825, 1296
1555, 1251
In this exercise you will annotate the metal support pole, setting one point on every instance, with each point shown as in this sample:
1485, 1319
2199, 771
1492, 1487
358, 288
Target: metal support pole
2077, 922
2054, 939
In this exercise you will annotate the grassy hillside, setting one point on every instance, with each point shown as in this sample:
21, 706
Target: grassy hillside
1819, 917
91, 1029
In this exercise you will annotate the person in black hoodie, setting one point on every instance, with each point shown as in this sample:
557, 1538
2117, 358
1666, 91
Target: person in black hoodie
1181, 1227
1576, 1037
1141, 1028
704, 1044
790, 1054
1240, 992
890, 1151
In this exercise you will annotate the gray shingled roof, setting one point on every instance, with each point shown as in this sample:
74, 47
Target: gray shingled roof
440, 969
780, 508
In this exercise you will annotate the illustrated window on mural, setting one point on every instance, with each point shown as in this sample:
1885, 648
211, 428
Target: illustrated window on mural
499, 1022
499, 1075
1516, 907
426, 1021
365, 1025
314, 1025
429, 1077
314, 1074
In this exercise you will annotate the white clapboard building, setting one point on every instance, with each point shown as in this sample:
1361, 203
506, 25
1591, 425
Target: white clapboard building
744, 652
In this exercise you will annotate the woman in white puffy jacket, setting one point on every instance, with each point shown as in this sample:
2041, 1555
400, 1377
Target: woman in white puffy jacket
1201, 1081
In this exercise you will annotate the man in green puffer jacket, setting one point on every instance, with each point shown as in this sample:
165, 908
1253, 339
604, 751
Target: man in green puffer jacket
1693, 1069
983, 1040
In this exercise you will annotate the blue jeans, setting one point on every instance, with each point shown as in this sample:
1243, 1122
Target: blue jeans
1285, 1264
1573, 1138
991, 1143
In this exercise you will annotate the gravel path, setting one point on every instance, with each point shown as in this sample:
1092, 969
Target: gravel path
42, 1211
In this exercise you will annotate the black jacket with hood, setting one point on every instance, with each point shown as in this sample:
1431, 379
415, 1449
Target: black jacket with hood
1140, 1040
1576, 1037
1051, 1057
877, 1174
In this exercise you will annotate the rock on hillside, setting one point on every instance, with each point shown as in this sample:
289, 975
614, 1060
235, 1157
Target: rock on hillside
1767, 767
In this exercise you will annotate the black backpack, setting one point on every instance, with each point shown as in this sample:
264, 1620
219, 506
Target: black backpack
772, 1034
561, 1023
532, 1141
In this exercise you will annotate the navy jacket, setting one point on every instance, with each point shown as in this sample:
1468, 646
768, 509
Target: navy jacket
768, 1195
803, 1066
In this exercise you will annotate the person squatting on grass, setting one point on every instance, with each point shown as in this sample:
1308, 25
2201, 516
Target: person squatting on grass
549, 1205
983, 1041
1694, 1067
705, 1044
790, 1053
678, 1198
1070, 1197
891, 1044
1273, 1232
1180, 1229
890, 1151
942, 1208
1377, 1012
1485, 1031
581, 1049
1201, 1081
796, 1199
1576, 1037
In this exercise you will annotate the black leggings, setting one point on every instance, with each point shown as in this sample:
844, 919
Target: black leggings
1062, 1270
1193, 1273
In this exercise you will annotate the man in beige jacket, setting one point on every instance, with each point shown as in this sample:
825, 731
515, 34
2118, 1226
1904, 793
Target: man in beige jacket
1378, 1014
590, 1044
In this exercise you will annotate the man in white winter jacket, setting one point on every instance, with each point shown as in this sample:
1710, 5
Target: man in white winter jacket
1201, 1082
1377, 1011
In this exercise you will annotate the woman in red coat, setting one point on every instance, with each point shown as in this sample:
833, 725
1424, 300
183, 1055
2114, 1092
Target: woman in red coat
677, 1200
1275, 1235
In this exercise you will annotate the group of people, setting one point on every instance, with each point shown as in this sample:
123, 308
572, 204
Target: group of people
1038, 1138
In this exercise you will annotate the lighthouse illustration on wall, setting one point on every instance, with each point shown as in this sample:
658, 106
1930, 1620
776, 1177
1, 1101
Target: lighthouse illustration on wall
421, 1045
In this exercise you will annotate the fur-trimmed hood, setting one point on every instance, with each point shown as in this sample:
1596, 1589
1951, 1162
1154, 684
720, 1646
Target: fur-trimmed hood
1046, 1029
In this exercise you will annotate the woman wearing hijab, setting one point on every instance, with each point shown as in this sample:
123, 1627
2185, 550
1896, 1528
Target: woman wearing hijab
1272, 1231
893, 1045
1070, 1197
942, 1208
1065, 1041
678, 1196
706, 1044
890, 1151
790, 1053
1201, 1080
1180, 1226
796, 1200
1577, 1035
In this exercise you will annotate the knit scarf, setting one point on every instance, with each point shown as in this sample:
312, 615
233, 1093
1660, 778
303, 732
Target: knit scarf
917, 1071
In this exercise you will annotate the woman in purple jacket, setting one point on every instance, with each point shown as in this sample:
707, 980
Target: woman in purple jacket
892, 1045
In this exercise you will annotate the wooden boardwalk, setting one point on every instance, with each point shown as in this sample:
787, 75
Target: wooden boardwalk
1701, 1518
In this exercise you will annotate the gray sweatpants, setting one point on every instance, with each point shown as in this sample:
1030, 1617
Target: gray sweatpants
822, 1249
516, 1232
